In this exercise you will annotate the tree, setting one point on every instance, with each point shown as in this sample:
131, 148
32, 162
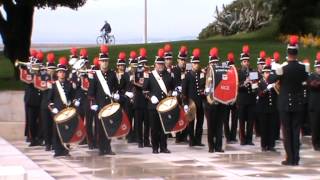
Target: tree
16, 26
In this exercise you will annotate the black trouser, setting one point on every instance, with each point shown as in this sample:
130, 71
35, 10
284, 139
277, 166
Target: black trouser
277, 126
231, 133
306, 126
26, 127
103, 141
57, 144
158, 138
267, 126
130, 112
141, 120
246, 119
47, 122
196, 135
291, 124
92, 118
315, 128
33, 113
216, 115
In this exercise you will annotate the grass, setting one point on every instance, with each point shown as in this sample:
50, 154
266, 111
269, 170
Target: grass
264, 39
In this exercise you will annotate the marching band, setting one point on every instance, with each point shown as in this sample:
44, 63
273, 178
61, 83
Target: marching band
75, 103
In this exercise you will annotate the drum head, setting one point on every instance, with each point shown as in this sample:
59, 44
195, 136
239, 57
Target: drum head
65, 114
109, 109
167, 104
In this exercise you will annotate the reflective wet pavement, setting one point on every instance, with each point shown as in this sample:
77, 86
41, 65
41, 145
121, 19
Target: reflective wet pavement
131, 162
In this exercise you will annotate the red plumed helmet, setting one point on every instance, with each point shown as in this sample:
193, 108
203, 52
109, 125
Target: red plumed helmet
167, 48
104, 49
214, 52
63, 60
196, 52
122, 55
84, 52
96, 61
40, 56
318, 56
33, 52
50, 58
183, 49
161, 53
133, 55
74, 51
268, 61
294, 39
245, 49
263, 54
230, 57
276, 56
143, 52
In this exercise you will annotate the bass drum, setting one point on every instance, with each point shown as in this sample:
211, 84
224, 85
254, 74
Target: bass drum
114, 120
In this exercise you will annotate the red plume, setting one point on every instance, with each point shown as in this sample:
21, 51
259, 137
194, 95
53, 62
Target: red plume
268, 61
63, 60
104, 49
161, 53
40, 56
33, 52
214, 52
196, 52
122, 55
263, 54
96, 61
294, 39
143, 52
74, 51
318, 56
276, 56
84, 52
245, 49
167, 48
50, 58
183, 49
133, 55
231, 57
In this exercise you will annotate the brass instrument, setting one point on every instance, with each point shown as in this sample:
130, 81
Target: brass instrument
31, 66
209, 84
277, 87
86, 71
18, 63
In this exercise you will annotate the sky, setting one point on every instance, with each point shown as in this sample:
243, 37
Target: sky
167, 20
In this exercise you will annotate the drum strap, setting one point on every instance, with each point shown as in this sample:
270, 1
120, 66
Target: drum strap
103, 83
160, 81
61, 93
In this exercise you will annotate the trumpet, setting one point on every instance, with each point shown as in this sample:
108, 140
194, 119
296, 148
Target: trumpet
21, 63
86, 71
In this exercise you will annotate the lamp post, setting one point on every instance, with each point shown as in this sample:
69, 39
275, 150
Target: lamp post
145, 22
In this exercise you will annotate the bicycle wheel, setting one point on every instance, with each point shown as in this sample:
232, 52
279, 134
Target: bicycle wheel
100, 40
112, 40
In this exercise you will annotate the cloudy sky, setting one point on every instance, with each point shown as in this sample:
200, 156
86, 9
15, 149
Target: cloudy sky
167, 20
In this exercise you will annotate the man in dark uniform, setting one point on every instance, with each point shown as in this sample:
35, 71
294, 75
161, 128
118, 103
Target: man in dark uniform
246, 97
179, 72
193, 88
291, 75
314, 104
60, 96
47, 76
158, 85
216, 112
274, 78
140, 102
232, 114
168, 58
267, 108
103, 88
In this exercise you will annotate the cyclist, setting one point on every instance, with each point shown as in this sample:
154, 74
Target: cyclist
106, 29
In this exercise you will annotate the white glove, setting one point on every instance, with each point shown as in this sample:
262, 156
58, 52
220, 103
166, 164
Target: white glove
254, 86
116, 96
207, 90
270, 86
179, 88
129, 94
94, 107
174, 93
55, 111
186, 108
77, 103
154, 100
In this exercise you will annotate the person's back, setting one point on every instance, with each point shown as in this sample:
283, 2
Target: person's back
106, 28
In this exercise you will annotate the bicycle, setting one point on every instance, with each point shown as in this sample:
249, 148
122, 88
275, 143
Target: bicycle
106, 39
